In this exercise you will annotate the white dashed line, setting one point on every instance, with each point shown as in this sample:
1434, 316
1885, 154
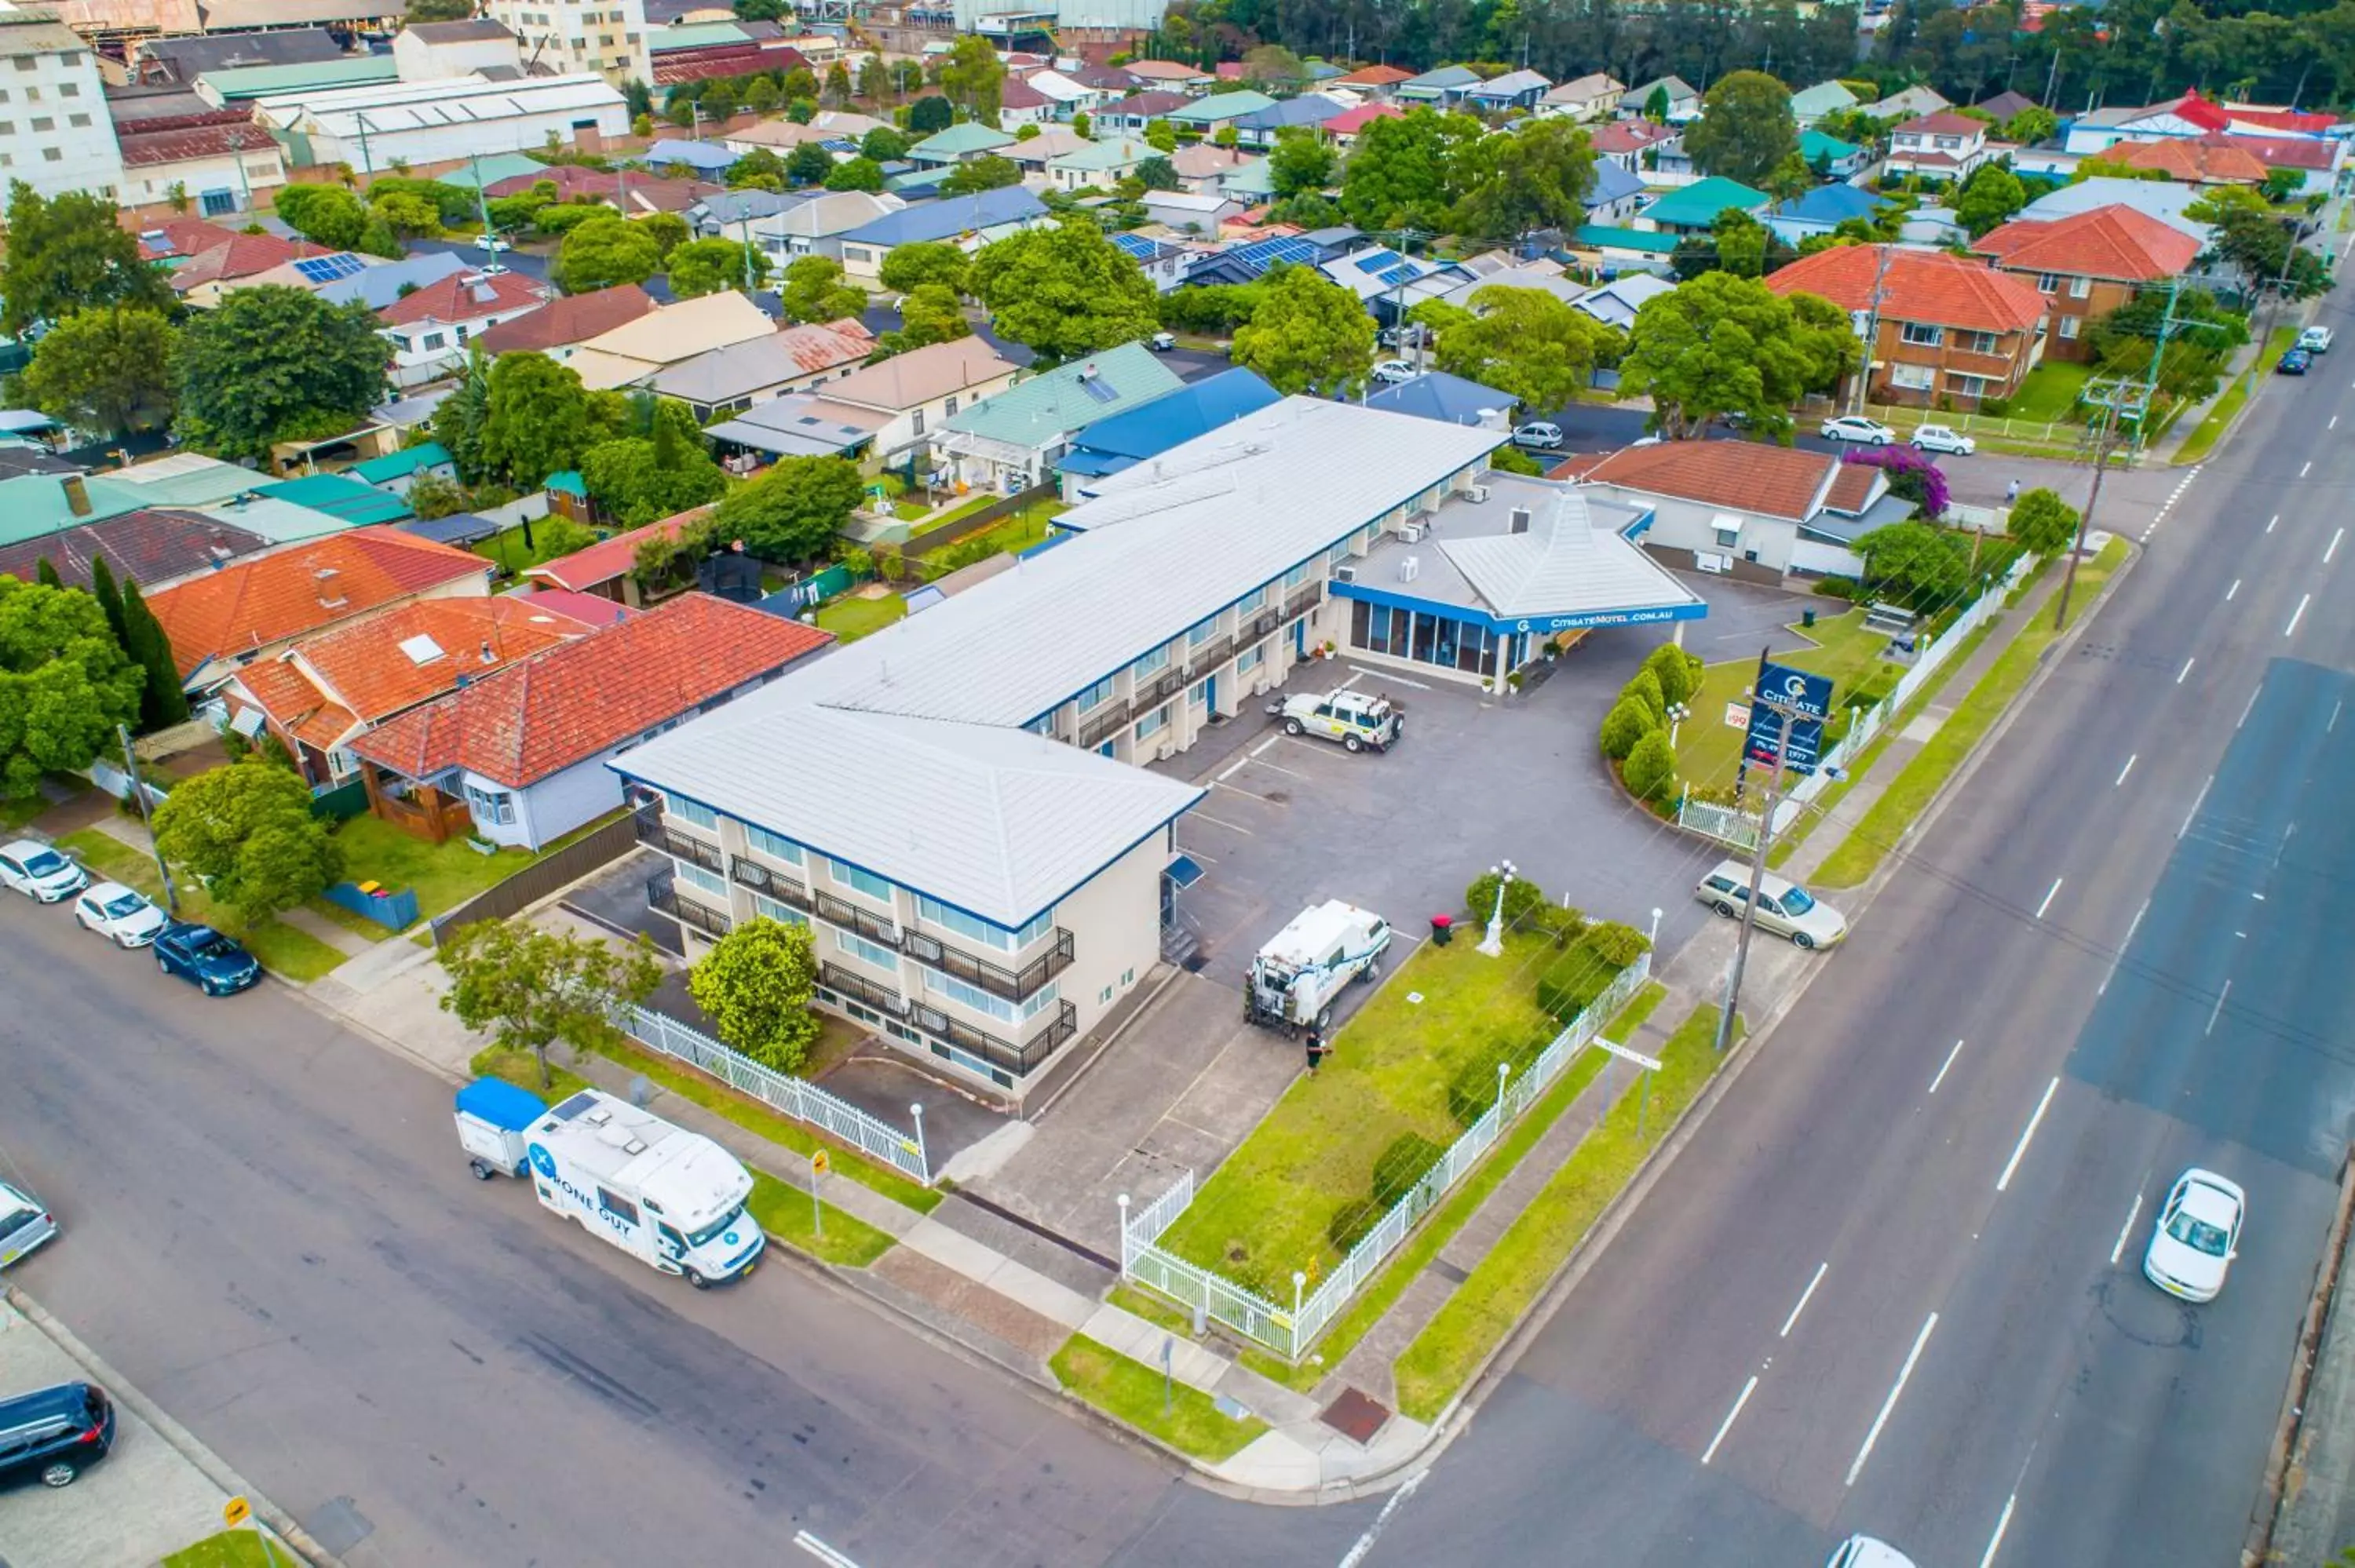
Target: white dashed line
2269, 525
2295, 615
2019, 1150
2126, 1230
2333, 549
1821, 1270
2053, 892
2231, 591
2187, 669
2001, 1524
1944, 1065
1891, 1403
1723, 1426
2250, 706
2305, 467
2127, 770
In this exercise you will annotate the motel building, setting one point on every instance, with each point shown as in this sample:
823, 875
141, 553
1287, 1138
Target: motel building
958, 805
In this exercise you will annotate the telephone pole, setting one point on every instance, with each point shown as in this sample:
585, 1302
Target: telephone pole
2115, 398
139, 793
1787, 713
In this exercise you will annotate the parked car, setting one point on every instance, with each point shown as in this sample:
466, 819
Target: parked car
37, 871
211, 962
2296, 362
492, 244
1162, 342
1785, 907
1359, 720
2197, 1236
23, 1224
1543, 434
54, 1434
121, 915
2316, 340
1944, 439
1857, 428
1394, 371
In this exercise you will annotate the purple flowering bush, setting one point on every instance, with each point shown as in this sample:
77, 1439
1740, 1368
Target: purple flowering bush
1911, 473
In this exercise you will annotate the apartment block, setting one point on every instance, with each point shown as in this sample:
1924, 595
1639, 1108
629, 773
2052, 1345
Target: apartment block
566, 37
55, 132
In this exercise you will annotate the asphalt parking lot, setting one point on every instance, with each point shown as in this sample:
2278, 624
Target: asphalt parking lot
1474, 781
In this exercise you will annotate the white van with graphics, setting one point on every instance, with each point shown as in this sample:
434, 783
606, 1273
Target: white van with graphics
669, 1197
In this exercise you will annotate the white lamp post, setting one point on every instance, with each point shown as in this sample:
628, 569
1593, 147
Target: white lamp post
1678, 714
1493, 942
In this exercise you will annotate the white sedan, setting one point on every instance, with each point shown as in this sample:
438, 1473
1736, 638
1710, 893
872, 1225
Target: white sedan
1857, 428
2197, 1237
1394, 371
120, 915
1944, 439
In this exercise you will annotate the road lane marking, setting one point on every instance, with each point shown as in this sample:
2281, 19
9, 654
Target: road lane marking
2053, 891
2231, 591
2215, 1012
2333, 548
1889, 1405
2187, 669
2194, 815
2001, 1524
2250, 706
2127, 770
2027, 1132
1364, 1542
2269, 525
1821, 1270
2305, 467
2126, 1230
2334, 713
1944, 1065
2118, 957
822, 1552
1723, 1426
2297, 614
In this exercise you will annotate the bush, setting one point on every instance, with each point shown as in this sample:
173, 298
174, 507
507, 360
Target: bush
1645, 687
1995, 408
1617, 943
1627, 723
1474, 1088
1563, 924
1569, 986
1837, 588
1651, 770
1397, 1169
1523, 898
1678, 672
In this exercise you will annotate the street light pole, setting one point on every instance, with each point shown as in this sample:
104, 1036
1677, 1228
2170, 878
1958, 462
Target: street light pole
1788, 712
139, 793
1493, 942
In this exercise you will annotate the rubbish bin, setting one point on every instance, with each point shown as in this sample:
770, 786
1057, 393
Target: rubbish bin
1806, 618
1443, 930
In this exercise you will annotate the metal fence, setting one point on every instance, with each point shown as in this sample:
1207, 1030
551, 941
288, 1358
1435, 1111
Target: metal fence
792, 1096
1289, 1333
556, 870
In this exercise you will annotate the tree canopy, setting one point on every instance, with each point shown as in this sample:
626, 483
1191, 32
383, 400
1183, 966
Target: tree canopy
273, 362
538, 420
928, 313
2043, 520
247, 828
793, 511
1307, 334
1527, 342
532, 987
68, 253
709, 266
602, 251
988, 173
1302, 160
975, 77
1722, 344
911, 265
814, 290
328, 215
108, 372
1402, 174
859, 173
1988, 198
756, 984
656, 468
65, 684
1745, 128
1516, 183
1064, 291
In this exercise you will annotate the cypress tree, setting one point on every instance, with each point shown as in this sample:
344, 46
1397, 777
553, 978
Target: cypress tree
101, 586
163, 703
47, 574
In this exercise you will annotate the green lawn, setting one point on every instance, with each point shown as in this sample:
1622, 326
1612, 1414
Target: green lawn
1484, 1309
851, 617
281, 949
507, 548
1886, 821
2050, 391
1020, 532
964, 509
1131, 1392
784, 1211
1709, 749
442, 875
232, 1549
1266, 1212
522, 1069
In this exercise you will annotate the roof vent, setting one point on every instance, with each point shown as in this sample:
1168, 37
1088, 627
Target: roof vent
1520, 521
1409, 569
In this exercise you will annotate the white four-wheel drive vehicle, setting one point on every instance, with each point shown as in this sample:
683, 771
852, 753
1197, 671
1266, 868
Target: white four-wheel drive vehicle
1359, 720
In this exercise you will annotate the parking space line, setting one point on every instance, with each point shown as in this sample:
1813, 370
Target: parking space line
1232, 769
1279, 768
1202, 816
1387, 676
1223, 784
1263, 744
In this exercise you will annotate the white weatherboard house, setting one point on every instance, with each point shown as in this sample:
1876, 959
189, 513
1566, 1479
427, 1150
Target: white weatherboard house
957, 804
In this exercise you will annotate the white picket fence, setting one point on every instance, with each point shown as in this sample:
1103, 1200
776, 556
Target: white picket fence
1289, 1333
1731, 825
787, 1095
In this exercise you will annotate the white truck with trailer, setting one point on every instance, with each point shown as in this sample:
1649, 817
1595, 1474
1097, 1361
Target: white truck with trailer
1295, 977
670, 1198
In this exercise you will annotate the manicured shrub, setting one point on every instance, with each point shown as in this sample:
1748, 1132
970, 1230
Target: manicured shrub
1474, 1088
1398, 1167
1572, 983
1629, 722
1651, 770
1617, 943
1646, 689
1837, 588
1678, 672
1522, 898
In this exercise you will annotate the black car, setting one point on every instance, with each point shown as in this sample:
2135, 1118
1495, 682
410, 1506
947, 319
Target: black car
214, 964
54, 1435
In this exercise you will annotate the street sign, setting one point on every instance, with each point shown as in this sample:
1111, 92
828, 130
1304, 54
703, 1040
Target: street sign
1737, 715
235, 1512
1649, 1063
1810, 694
819, 1163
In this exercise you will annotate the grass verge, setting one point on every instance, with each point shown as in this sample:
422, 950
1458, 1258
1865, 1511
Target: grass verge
1886, 821
1709, 749
784, 1211
1435, 1232
521, 1069
232, 1549
290, 954
1152, 1308
1477, 1317
1131, 1392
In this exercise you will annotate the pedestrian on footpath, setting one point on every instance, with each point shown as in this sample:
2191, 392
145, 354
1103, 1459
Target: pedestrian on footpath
2012, 495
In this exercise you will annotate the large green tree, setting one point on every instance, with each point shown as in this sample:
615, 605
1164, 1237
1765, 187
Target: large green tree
538, 419
910, 267
988, 173
756, 984
1918, 563
975, 77
2043, 520
68, 253
928, 315
814, 290
1722, 344
656, 468
1516, 183
1302, 160
273, 362
1404, 172
65, 684
861, 174
329, 215
1065, 290
604, 251
247, 830
1988, 198
531, 987
710, 265
1745, 128
108, 372
793, 511
931, 113
1307, 334
1529, 343
162, 702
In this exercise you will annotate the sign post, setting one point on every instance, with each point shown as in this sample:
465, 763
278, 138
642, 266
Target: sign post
1647, 1065
819, 1166
1787, 731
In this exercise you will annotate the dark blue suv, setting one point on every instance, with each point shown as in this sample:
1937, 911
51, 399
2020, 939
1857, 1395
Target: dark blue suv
54, 1435
214, 964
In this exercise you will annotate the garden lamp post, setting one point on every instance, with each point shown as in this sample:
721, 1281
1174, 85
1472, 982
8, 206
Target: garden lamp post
1678, 714
1493, 942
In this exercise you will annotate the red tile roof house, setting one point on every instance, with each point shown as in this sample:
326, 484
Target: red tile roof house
324, 690
255, 608
1940, 332
2088, 265
429, 327
1745, 509
565, 322
526, 749
606, 567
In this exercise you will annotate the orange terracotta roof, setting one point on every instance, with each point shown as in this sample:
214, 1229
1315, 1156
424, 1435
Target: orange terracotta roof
1944, 122
1629, 136
1851, 489
370, 668
608, 558
570, 704
2211, 160
569, 318
1926, 286
464, 297
1748, 476
2116, 242
1374, 76
242, 256
2304, 153
267, 598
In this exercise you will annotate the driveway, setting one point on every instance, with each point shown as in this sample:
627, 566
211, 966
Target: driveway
522, 263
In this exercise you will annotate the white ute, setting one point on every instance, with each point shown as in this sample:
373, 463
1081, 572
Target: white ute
1295, 977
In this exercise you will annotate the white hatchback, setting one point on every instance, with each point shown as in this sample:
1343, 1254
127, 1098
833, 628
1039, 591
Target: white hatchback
120, 915
1856, 427
2197, 1236
1944, 439
37, 871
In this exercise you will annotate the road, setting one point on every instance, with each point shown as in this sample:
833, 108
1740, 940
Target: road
1894, 1287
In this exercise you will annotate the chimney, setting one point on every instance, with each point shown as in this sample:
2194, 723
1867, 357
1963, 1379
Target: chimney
487, 656
76, 494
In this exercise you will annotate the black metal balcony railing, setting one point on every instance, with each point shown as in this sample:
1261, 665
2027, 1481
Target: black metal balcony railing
654, 833
1302, 600
992, 1048
1265, 622
851, 917
662, 895
1013, 984
1104, 722
857, 986
1149, 693
769, 884
1209, 655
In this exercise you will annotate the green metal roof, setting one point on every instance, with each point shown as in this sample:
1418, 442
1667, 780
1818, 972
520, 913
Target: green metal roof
1604, 238
1072, 396
261, 81
1814, 144
693, 35
400, 464
1697, 205
339, 495
570, 481
958, 140
1254, 178
490, 171
35, 506
1221, 107
280, 521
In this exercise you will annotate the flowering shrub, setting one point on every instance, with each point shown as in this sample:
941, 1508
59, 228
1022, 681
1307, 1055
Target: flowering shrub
1912, 474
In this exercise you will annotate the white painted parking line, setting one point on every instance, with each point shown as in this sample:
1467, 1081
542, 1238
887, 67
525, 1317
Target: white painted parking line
2053, 891
1726, 1426
2121, 778
1821, 1270
2001, 1524
1889, 1404
822, 1552
2126, 1230
1263, 744
1388, 678
1200, 815
2187, 669
1223, 784
2297, 615
1233, 768
2019, 1149
1949, 1062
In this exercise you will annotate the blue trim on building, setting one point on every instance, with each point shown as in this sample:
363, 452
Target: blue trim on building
1510, 625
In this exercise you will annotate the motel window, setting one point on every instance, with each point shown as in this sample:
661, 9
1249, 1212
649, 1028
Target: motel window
976, 930
1095, 697
770, 844
1202, 631
1980, 342
1153, 723
1922, 335
769, 908
1152, 664
1039, 1003
1249, 658
1248, 604
687, 811
971, 996
859, 947
865, 882
709, 882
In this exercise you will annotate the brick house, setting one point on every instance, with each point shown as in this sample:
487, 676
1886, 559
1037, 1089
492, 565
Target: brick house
1939, 331
2088, 265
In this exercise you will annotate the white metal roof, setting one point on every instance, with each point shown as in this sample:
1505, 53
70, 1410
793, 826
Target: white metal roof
448, 101
1564, 564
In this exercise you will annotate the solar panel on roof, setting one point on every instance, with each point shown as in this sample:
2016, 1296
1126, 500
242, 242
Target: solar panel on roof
1094, 388
1377, 261
327, 269
1403, 273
